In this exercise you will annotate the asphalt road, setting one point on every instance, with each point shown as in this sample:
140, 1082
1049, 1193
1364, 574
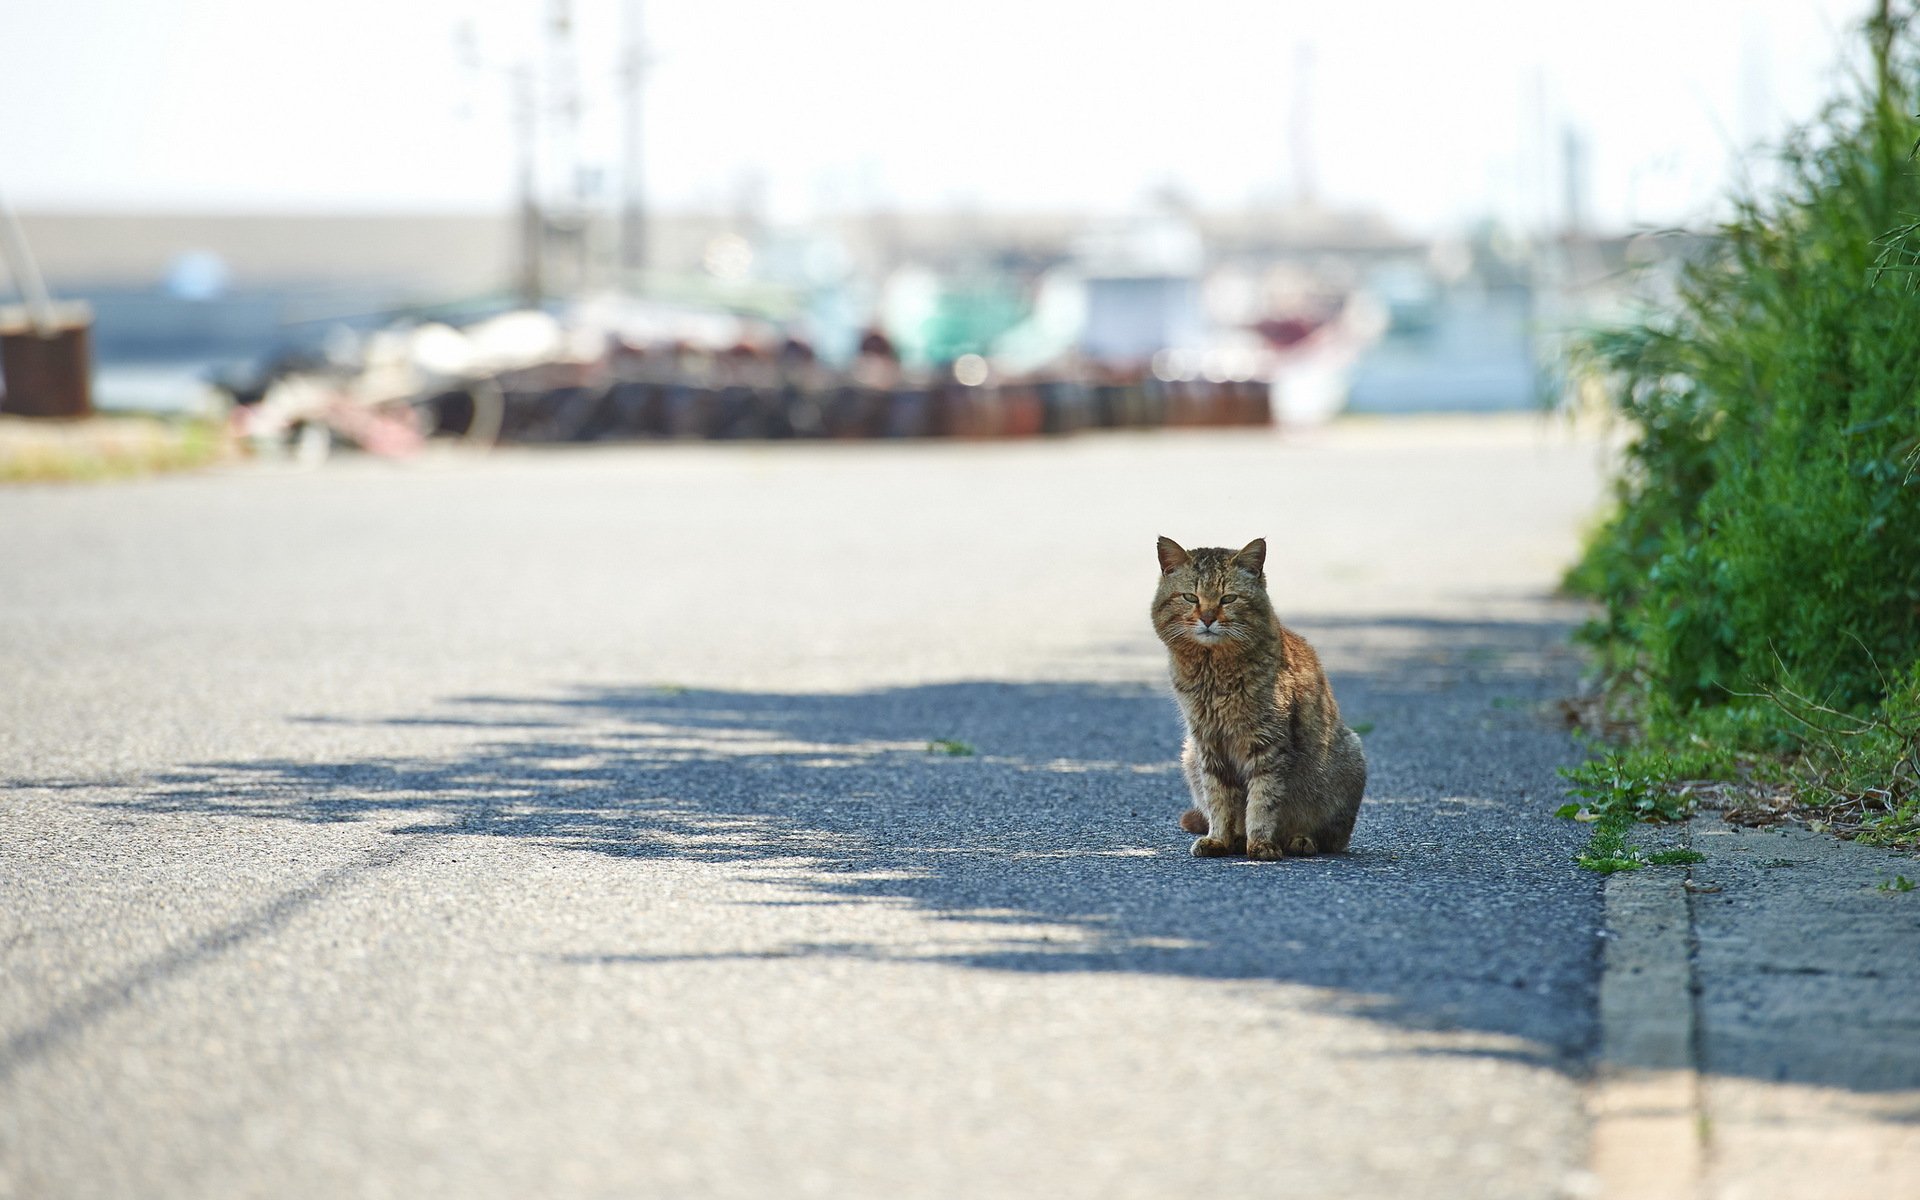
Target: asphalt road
566, 824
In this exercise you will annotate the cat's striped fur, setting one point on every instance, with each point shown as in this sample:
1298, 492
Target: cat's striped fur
1273, 770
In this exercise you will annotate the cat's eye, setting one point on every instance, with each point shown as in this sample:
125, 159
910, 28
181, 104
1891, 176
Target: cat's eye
1229, 598
1189, 597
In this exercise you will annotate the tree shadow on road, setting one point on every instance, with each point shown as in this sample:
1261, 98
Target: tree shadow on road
1458, 907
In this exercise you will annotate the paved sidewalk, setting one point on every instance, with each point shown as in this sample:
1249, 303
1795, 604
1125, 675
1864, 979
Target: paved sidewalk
1761, 1021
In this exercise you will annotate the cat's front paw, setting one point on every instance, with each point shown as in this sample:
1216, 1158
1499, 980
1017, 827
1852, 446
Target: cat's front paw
1263, 850
1212, 847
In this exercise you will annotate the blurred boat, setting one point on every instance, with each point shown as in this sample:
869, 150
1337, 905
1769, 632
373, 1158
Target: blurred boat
1312, 357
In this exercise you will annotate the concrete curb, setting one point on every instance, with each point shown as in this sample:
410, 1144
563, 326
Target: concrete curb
1758, 1033
1645, 1099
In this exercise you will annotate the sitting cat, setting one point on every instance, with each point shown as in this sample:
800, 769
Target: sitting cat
1273, 770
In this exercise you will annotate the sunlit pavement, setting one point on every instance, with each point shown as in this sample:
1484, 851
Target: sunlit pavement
572, 823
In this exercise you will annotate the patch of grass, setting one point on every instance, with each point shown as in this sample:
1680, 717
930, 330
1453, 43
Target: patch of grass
1363, 728
1861, 772
36, 450
1633, 785
1607, 852
1624, 787
1897, 826
1899, 883
950, 746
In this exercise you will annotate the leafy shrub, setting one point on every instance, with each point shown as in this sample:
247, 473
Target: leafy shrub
1766, 537
1768, 513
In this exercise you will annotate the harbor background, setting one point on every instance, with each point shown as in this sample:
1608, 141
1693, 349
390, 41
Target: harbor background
1417, 222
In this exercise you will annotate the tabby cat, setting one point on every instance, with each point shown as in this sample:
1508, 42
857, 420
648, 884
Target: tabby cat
1273, 770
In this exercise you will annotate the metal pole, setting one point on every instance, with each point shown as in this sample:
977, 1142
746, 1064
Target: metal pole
25, 272
532, 222
565, 191
1300, 127
633, 221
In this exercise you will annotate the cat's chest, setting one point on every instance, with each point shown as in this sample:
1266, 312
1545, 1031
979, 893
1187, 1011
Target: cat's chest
1233, 723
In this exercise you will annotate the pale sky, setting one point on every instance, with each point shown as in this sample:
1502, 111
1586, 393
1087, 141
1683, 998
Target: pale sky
1432, 113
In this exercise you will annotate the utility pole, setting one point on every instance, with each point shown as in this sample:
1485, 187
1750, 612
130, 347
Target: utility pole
633, 213
529, 217
567, 213
530, 272
1573, 165
1300, 127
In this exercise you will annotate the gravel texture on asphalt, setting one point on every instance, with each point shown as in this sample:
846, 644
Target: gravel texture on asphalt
573, 823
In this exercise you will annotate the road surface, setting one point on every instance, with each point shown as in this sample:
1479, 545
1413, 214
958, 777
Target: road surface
572, 823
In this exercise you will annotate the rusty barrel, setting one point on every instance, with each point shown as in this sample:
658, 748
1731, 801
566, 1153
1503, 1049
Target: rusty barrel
47, 373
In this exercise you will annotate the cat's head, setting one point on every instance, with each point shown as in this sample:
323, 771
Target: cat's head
1212, 596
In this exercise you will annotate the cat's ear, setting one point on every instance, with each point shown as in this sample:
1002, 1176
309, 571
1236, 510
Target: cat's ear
1172, 557
1252, 556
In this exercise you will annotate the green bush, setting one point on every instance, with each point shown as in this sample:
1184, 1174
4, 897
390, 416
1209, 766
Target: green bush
1766, 536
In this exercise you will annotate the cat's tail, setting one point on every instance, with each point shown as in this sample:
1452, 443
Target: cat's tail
1193, 821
